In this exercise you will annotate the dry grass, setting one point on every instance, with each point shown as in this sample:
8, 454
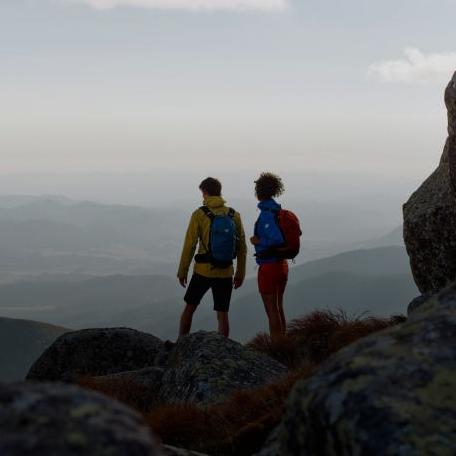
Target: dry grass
240, 425
124, 390
313, 337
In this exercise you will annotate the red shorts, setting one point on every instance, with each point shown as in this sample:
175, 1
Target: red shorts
272, 277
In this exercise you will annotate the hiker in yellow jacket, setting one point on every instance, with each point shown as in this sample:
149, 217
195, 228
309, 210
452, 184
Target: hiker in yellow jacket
221, 280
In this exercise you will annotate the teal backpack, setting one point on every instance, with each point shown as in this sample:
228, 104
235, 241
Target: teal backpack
222, 247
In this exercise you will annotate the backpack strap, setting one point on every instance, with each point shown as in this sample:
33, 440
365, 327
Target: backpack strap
207, 211
211, 215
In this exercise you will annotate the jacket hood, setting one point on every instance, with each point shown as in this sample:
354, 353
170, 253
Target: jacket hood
269, 204
214, 201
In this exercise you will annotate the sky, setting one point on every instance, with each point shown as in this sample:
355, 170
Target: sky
342, 95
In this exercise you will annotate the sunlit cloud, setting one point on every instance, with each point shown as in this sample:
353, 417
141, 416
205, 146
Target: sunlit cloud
416, 67
190, 5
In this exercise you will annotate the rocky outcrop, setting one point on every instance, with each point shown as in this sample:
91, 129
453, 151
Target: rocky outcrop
201, 368
207, 367
98, 351
430, 215
55, 419
389, 393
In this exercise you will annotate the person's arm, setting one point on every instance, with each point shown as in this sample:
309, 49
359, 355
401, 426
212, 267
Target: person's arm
241, 255
188, 250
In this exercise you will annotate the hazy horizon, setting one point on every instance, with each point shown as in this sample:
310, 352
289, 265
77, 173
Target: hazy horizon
368, 206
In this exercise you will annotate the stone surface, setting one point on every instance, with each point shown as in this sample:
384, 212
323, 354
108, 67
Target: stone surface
98, 351
430, 215
389, 393
55, 419
148, 377
174, 451
205, 367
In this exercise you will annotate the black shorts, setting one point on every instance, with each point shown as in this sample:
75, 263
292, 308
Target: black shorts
221, 291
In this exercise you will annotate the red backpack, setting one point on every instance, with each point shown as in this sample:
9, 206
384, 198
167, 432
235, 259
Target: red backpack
288, 223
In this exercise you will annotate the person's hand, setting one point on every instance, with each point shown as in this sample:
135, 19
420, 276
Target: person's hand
237, 283
183, 281
255, 240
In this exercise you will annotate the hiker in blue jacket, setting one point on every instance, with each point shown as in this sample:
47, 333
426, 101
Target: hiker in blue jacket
272, 272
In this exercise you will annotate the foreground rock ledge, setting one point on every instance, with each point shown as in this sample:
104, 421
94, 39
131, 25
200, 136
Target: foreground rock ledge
55, 419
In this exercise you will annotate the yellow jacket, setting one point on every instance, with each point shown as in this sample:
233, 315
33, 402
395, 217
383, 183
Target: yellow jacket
198, 233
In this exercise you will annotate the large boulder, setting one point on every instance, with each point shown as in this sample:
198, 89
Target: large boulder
98, 351
389, 393
55, 419
430, 215
202, 367
205, 367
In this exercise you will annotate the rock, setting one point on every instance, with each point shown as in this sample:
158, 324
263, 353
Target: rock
389, 393
55, 419
98, 351
417, 304
450, 103
205, 367
430, 215
174, 451
148, 377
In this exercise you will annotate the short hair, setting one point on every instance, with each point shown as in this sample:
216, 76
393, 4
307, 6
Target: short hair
211, 186
268, 185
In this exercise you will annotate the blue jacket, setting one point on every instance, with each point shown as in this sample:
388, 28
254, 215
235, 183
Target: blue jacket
266, 228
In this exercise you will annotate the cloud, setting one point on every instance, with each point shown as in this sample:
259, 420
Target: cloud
190, 5
416, 67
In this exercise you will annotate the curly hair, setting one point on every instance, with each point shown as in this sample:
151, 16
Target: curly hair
268, 185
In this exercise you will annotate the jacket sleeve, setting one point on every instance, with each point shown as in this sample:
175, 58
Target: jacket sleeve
188, 250
241, 257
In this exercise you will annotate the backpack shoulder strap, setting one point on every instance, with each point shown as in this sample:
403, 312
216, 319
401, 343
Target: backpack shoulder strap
207, 211
211, 215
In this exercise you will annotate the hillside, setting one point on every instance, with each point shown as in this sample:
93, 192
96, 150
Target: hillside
21, 342
379, 260
377, 281
87, 303
52, 235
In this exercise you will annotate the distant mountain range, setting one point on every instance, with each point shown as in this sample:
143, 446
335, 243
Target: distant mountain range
376, 282
52, 235
79, 264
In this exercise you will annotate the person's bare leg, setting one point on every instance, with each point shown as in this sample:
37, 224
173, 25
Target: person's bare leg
283, 321
223, 323
186, 319
272, 311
